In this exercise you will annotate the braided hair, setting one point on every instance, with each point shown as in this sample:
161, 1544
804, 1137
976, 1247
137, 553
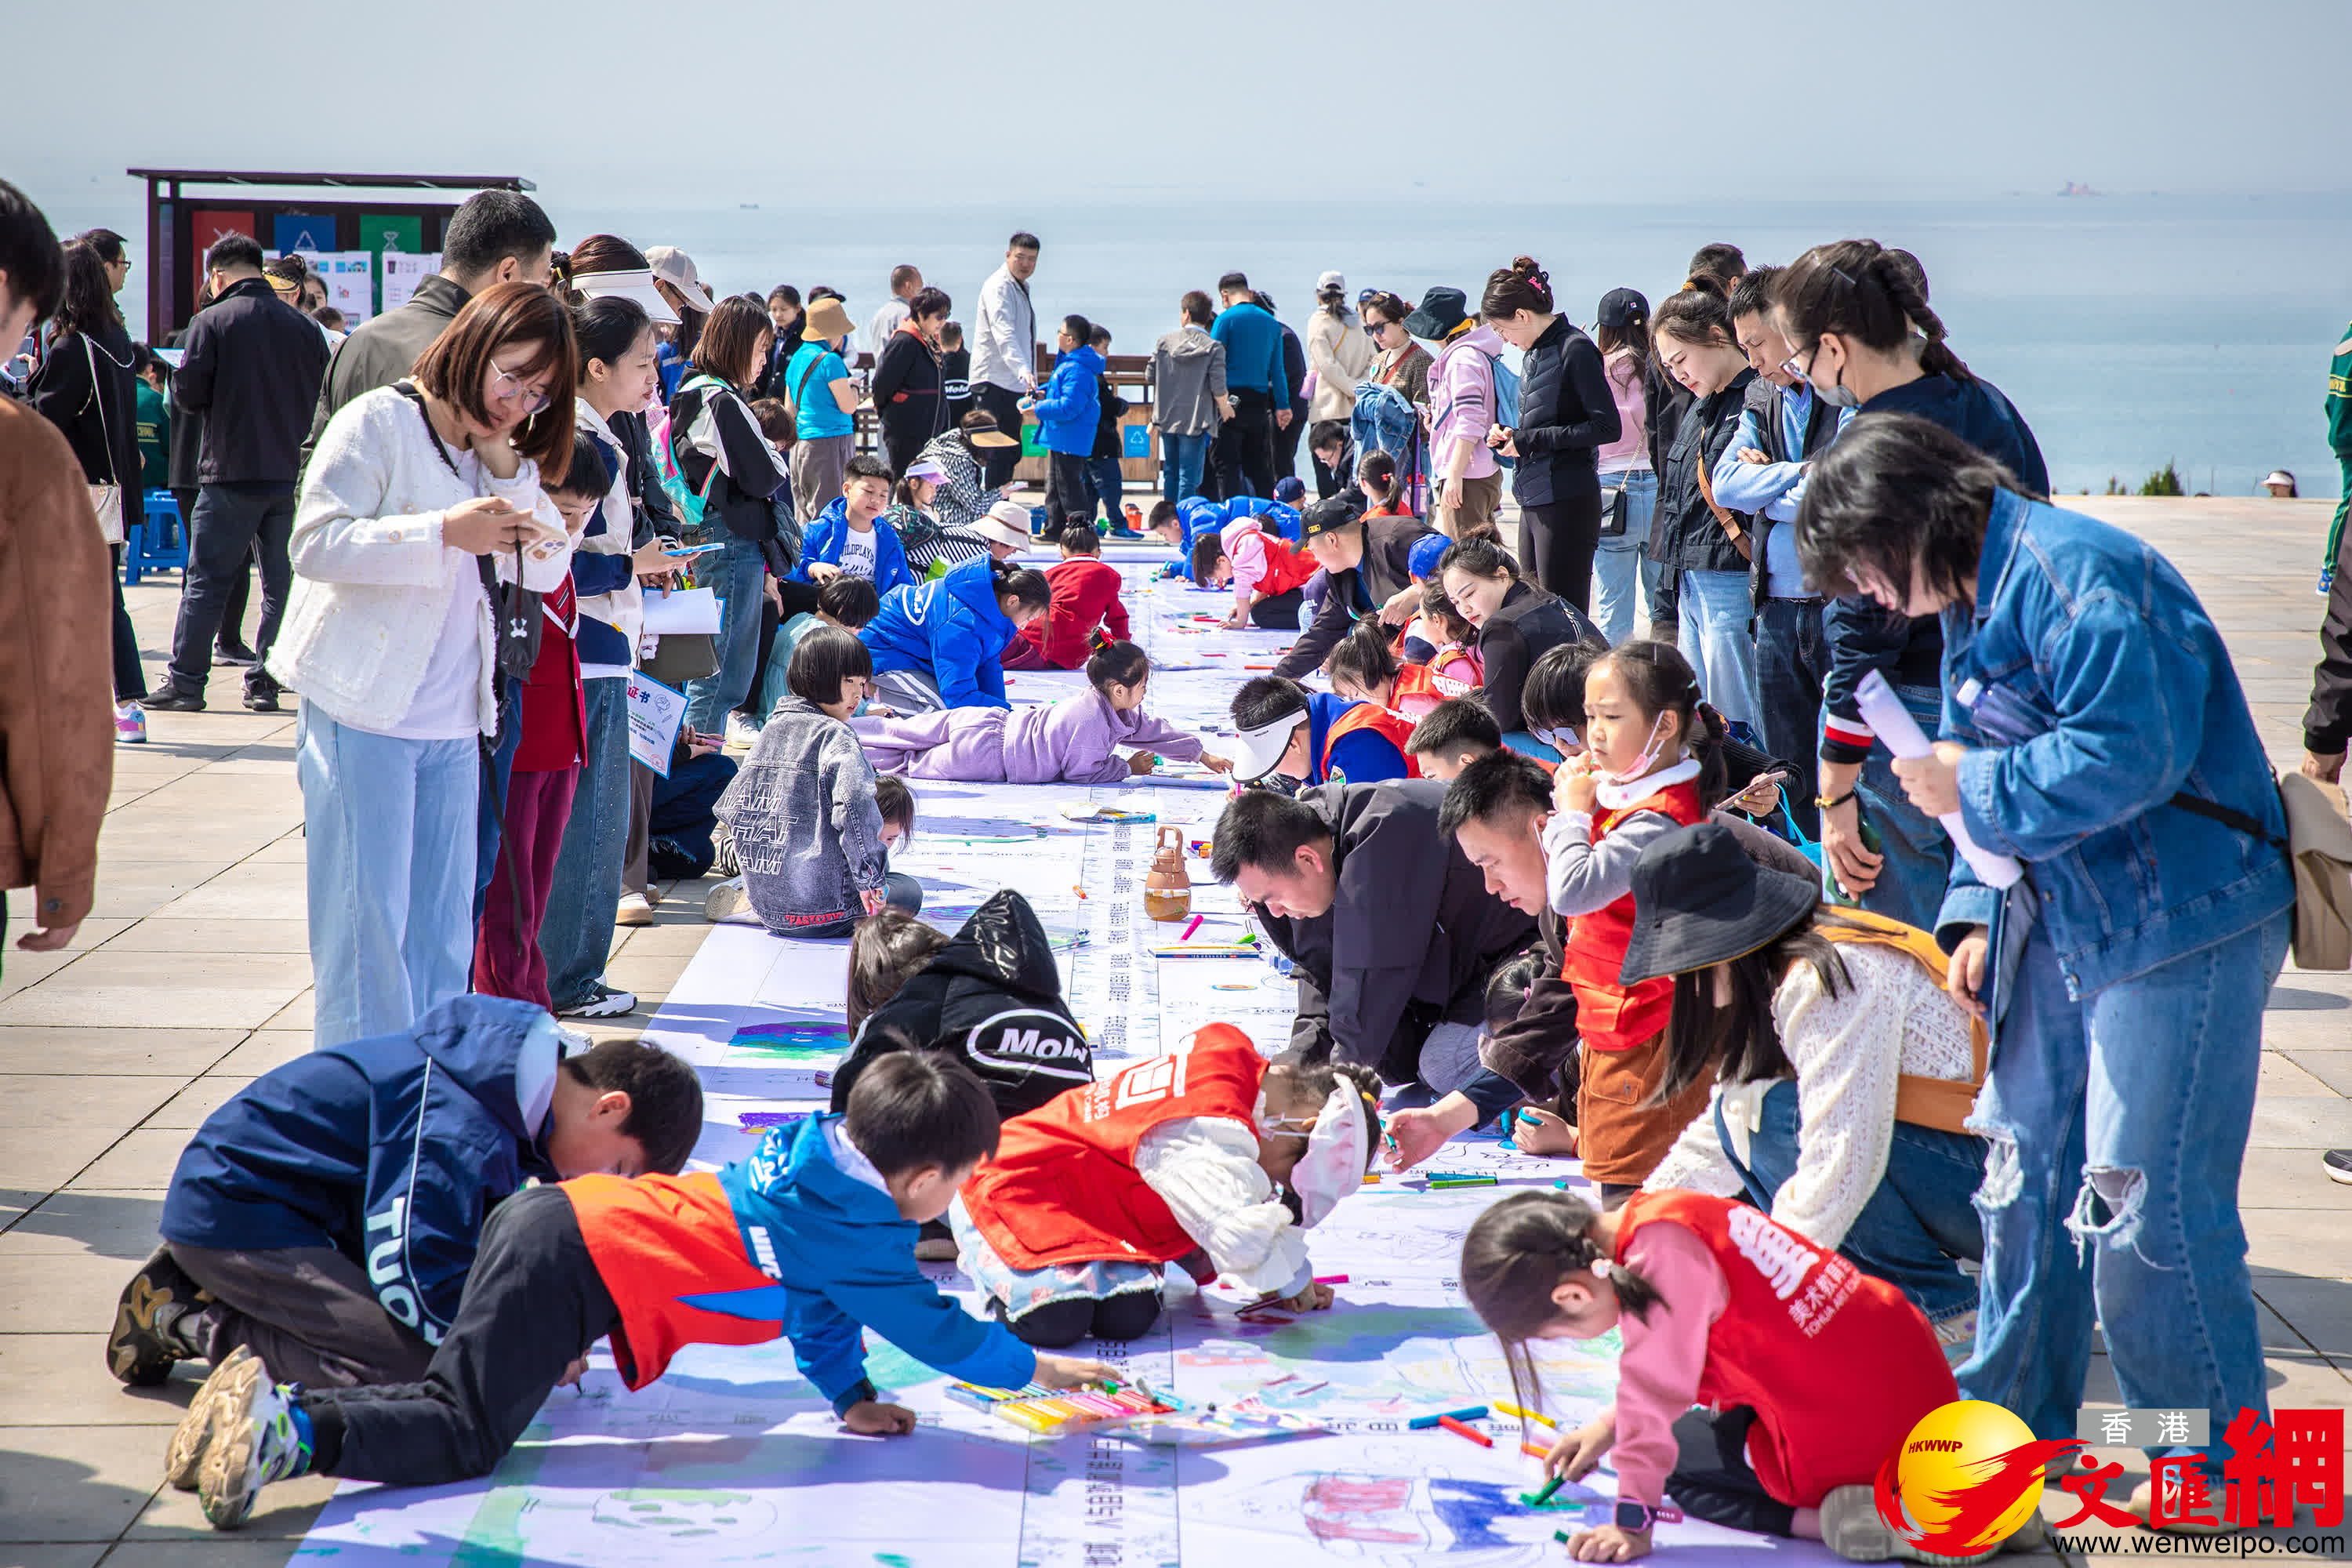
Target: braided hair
1517, 1255
1859, 288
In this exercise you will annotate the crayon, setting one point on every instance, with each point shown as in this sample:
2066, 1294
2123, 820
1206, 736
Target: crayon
1539, 1499
1461, 1181
1472, 1433
1331, 1279
1286, 1377
1526, 1415
1467, 1412
1559, 1535
1190, 926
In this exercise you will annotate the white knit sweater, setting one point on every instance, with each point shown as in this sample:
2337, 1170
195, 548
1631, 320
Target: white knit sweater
372, 580
1848, 1050
1205, 1170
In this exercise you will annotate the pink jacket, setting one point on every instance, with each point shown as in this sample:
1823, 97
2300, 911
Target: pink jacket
1658, 1376
1245, 548
1462, 401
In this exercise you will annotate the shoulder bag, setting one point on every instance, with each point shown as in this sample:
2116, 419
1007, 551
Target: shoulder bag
105, 499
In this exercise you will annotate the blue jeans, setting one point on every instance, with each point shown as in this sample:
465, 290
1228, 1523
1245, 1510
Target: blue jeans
1713, 635
2117, 1127
491, 813
1110, 490
1181, 457
1621, 557
736, 570
678, 827
1792, 662
232, 518
388, 826
1918, 1223
576, 934
1910, 886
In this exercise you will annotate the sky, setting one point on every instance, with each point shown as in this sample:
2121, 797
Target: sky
951, 103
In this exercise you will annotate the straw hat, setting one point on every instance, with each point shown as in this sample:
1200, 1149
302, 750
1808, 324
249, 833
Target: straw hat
826, 321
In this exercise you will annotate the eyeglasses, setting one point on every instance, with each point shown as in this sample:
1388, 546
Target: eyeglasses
507, 386
1804, 372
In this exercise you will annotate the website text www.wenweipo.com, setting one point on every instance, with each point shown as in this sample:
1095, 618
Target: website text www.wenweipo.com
2168, 1543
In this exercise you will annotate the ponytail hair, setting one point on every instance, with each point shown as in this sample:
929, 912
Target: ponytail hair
1376, 476
1516, 1254
1521, 285
1115, 664
1860, 290
1080, 539
1696, 315
1363, 658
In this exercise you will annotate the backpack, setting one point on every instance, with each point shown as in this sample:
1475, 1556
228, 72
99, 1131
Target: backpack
1507, 402
689, 502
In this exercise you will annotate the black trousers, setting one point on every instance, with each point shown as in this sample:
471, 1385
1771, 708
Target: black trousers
899, 446
1713, 1479
129, 680
1286, 444
533, 1304
1243, 454
997, 462
1276, 612
1058, 1324
1557, 541
1069, 494
231, 520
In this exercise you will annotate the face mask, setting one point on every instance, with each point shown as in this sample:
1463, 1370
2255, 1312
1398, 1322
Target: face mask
1646, 761
1838, 396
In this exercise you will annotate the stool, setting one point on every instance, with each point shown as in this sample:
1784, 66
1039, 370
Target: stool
159, 543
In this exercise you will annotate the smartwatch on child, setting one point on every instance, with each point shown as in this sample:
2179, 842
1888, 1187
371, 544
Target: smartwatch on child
1634, 1515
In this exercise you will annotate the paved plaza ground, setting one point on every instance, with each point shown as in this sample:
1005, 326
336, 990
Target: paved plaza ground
192, 975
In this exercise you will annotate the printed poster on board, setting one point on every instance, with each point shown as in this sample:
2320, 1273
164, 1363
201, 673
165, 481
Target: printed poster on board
403, 272
208, 226
350, 277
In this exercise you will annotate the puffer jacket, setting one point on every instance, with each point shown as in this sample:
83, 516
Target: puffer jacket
949, 628
1695, 539
1567, 412
993, 997
1069, 405
802, 812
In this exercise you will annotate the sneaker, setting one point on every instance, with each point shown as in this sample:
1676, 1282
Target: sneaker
722, 847
130, 724
1851, 1528
169, 699
574, 1040
729, 904
228, 653
2337, 1163
634, 910
156, 1323
601, 1002
257, 1438
261, 696
742, 733
185, 1455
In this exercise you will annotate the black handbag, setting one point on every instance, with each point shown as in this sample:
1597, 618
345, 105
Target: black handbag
1612, 512
514, 609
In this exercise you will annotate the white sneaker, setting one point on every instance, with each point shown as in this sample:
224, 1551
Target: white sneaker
742, 733
601, 1002
255, 1440
575, 1040
1851, 1528
130, 724
635, 909
729, 904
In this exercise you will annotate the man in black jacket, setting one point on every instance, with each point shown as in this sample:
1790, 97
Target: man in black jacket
1366, 561
496, 237
252, 369
1392, 929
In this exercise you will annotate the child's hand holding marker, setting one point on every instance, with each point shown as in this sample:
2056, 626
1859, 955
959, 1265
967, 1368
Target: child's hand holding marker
876, 1419
1315, 1298
1575, 1453
1073, 1372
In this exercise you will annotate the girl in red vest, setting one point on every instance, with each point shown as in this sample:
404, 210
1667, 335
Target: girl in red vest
1634, 782
1721, 1308
1266, 573
1207, 1156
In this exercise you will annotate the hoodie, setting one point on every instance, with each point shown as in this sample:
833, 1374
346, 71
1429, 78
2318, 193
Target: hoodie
830, 532
1461, 400
950, 629
390, 1151
1073, 740
1069, 405
801, 1239
992, 997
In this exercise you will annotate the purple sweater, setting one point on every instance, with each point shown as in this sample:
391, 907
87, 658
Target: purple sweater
1462, 401
1076, 740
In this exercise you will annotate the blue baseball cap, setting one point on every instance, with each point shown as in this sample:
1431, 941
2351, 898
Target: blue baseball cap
1289, 489
1425, 554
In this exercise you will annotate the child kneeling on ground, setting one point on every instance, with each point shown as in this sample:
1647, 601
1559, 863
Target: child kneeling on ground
1207, 1156
276, 1225
1745, 1348
828, 1208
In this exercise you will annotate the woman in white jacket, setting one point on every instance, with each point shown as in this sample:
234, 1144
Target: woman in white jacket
1339, 353
390, 637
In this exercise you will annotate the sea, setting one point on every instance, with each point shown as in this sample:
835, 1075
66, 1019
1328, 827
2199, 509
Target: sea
2132, 331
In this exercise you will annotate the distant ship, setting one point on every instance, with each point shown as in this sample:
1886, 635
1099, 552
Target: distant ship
2076, 188
749, 206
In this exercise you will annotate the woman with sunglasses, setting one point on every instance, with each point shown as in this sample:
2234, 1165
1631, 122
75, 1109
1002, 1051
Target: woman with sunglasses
1402, 366
416, 495
1856, 317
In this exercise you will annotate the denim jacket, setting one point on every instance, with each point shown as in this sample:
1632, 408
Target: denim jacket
2090, 687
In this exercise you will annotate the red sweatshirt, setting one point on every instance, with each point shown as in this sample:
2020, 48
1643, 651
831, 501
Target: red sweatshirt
554, 724
1086, 595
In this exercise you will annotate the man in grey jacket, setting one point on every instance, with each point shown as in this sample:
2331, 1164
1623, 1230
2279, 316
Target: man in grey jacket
496, 236
1188, 396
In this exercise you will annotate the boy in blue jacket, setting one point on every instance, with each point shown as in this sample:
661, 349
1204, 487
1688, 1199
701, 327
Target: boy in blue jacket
1068, 409
937, 645
849, 536
812, 1239
326, 1216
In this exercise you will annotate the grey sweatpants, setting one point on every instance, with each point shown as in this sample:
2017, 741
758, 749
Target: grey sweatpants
307, 1312
1449, 1057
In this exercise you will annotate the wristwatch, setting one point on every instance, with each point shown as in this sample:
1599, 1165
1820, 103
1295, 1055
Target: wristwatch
1634, 1515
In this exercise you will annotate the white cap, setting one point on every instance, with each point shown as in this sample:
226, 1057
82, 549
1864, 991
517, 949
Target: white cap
1006, 522
924, 468
635, 284
1257, 751
1330, 282
675, 268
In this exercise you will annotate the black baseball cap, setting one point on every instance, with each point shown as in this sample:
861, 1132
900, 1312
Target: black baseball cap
1622, 308
1343, 511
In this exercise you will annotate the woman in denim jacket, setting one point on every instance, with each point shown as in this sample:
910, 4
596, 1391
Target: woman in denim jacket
2086, 696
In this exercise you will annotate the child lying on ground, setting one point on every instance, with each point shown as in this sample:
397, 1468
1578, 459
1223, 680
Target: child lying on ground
1744, 1346
326, 1215
1076, 740
1177, 1159
812, 1237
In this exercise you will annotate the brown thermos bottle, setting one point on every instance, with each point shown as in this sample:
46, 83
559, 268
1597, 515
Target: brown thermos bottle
1168, 889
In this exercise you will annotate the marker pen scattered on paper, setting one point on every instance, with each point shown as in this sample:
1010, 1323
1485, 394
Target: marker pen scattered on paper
1192, 926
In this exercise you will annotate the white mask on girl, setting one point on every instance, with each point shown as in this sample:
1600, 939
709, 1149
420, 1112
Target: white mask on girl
1651, 750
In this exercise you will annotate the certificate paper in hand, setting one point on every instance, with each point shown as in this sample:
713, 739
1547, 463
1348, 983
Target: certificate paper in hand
655, 713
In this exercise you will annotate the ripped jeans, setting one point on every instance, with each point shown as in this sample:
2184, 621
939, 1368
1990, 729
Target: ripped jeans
2116, 1125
